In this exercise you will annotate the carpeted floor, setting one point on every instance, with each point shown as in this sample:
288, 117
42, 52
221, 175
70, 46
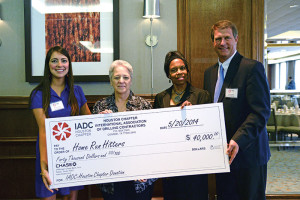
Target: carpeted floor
284, 171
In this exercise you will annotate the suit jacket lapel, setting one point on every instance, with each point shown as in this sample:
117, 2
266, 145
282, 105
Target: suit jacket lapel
214, 78
231, 72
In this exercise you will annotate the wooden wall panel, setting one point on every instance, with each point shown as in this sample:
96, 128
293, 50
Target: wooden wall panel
17, 178
258, 17
195, 19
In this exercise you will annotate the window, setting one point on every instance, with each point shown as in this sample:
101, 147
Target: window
277, 76
282, 76
297, 74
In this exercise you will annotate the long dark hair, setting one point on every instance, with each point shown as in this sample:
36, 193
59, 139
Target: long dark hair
44, 85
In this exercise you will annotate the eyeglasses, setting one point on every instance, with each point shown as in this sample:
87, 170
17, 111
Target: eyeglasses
175, 69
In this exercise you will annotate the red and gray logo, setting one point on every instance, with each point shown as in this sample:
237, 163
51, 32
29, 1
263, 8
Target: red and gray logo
61, 131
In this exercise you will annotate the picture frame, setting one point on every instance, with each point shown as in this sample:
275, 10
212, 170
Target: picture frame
92, 41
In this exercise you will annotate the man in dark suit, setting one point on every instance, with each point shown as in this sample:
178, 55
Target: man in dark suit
241, 85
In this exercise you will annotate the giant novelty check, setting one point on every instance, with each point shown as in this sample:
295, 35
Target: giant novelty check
155, 143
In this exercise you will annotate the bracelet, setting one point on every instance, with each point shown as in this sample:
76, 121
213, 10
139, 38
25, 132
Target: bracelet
42, 174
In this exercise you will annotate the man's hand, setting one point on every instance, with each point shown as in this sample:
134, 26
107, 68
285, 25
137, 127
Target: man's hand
232, 150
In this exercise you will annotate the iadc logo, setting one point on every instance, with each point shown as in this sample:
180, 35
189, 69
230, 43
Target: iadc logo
61, 131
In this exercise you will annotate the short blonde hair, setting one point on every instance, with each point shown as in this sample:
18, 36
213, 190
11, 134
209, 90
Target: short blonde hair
118, 63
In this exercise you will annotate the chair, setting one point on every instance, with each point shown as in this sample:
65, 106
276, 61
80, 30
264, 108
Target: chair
274, 130
272, 126
290, 104
276, 103
292, 127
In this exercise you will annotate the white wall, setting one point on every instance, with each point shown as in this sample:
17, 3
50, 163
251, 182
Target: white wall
133, 29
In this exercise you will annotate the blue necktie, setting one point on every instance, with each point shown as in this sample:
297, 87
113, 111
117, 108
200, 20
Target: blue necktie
219, 84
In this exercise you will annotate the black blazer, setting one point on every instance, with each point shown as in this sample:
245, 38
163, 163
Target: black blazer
192, 94
245, 116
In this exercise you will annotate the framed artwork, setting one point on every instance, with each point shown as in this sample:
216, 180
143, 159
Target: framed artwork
88, 29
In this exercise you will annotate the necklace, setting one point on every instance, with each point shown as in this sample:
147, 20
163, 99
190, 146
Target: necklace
178, 97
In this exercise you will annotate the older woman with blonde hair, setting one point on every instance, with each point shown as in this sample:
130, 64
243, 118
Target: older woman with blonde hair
123, 100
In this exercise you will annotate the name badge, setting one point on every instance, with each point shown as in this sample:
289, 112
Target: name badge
231, 93
56, 106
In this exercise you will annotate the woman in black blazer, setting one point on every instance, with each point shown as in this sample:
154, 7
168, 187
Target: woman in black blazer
181, 93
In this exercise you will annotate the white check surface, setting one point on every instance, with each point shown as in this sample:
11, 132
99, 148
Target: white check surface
155, 143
